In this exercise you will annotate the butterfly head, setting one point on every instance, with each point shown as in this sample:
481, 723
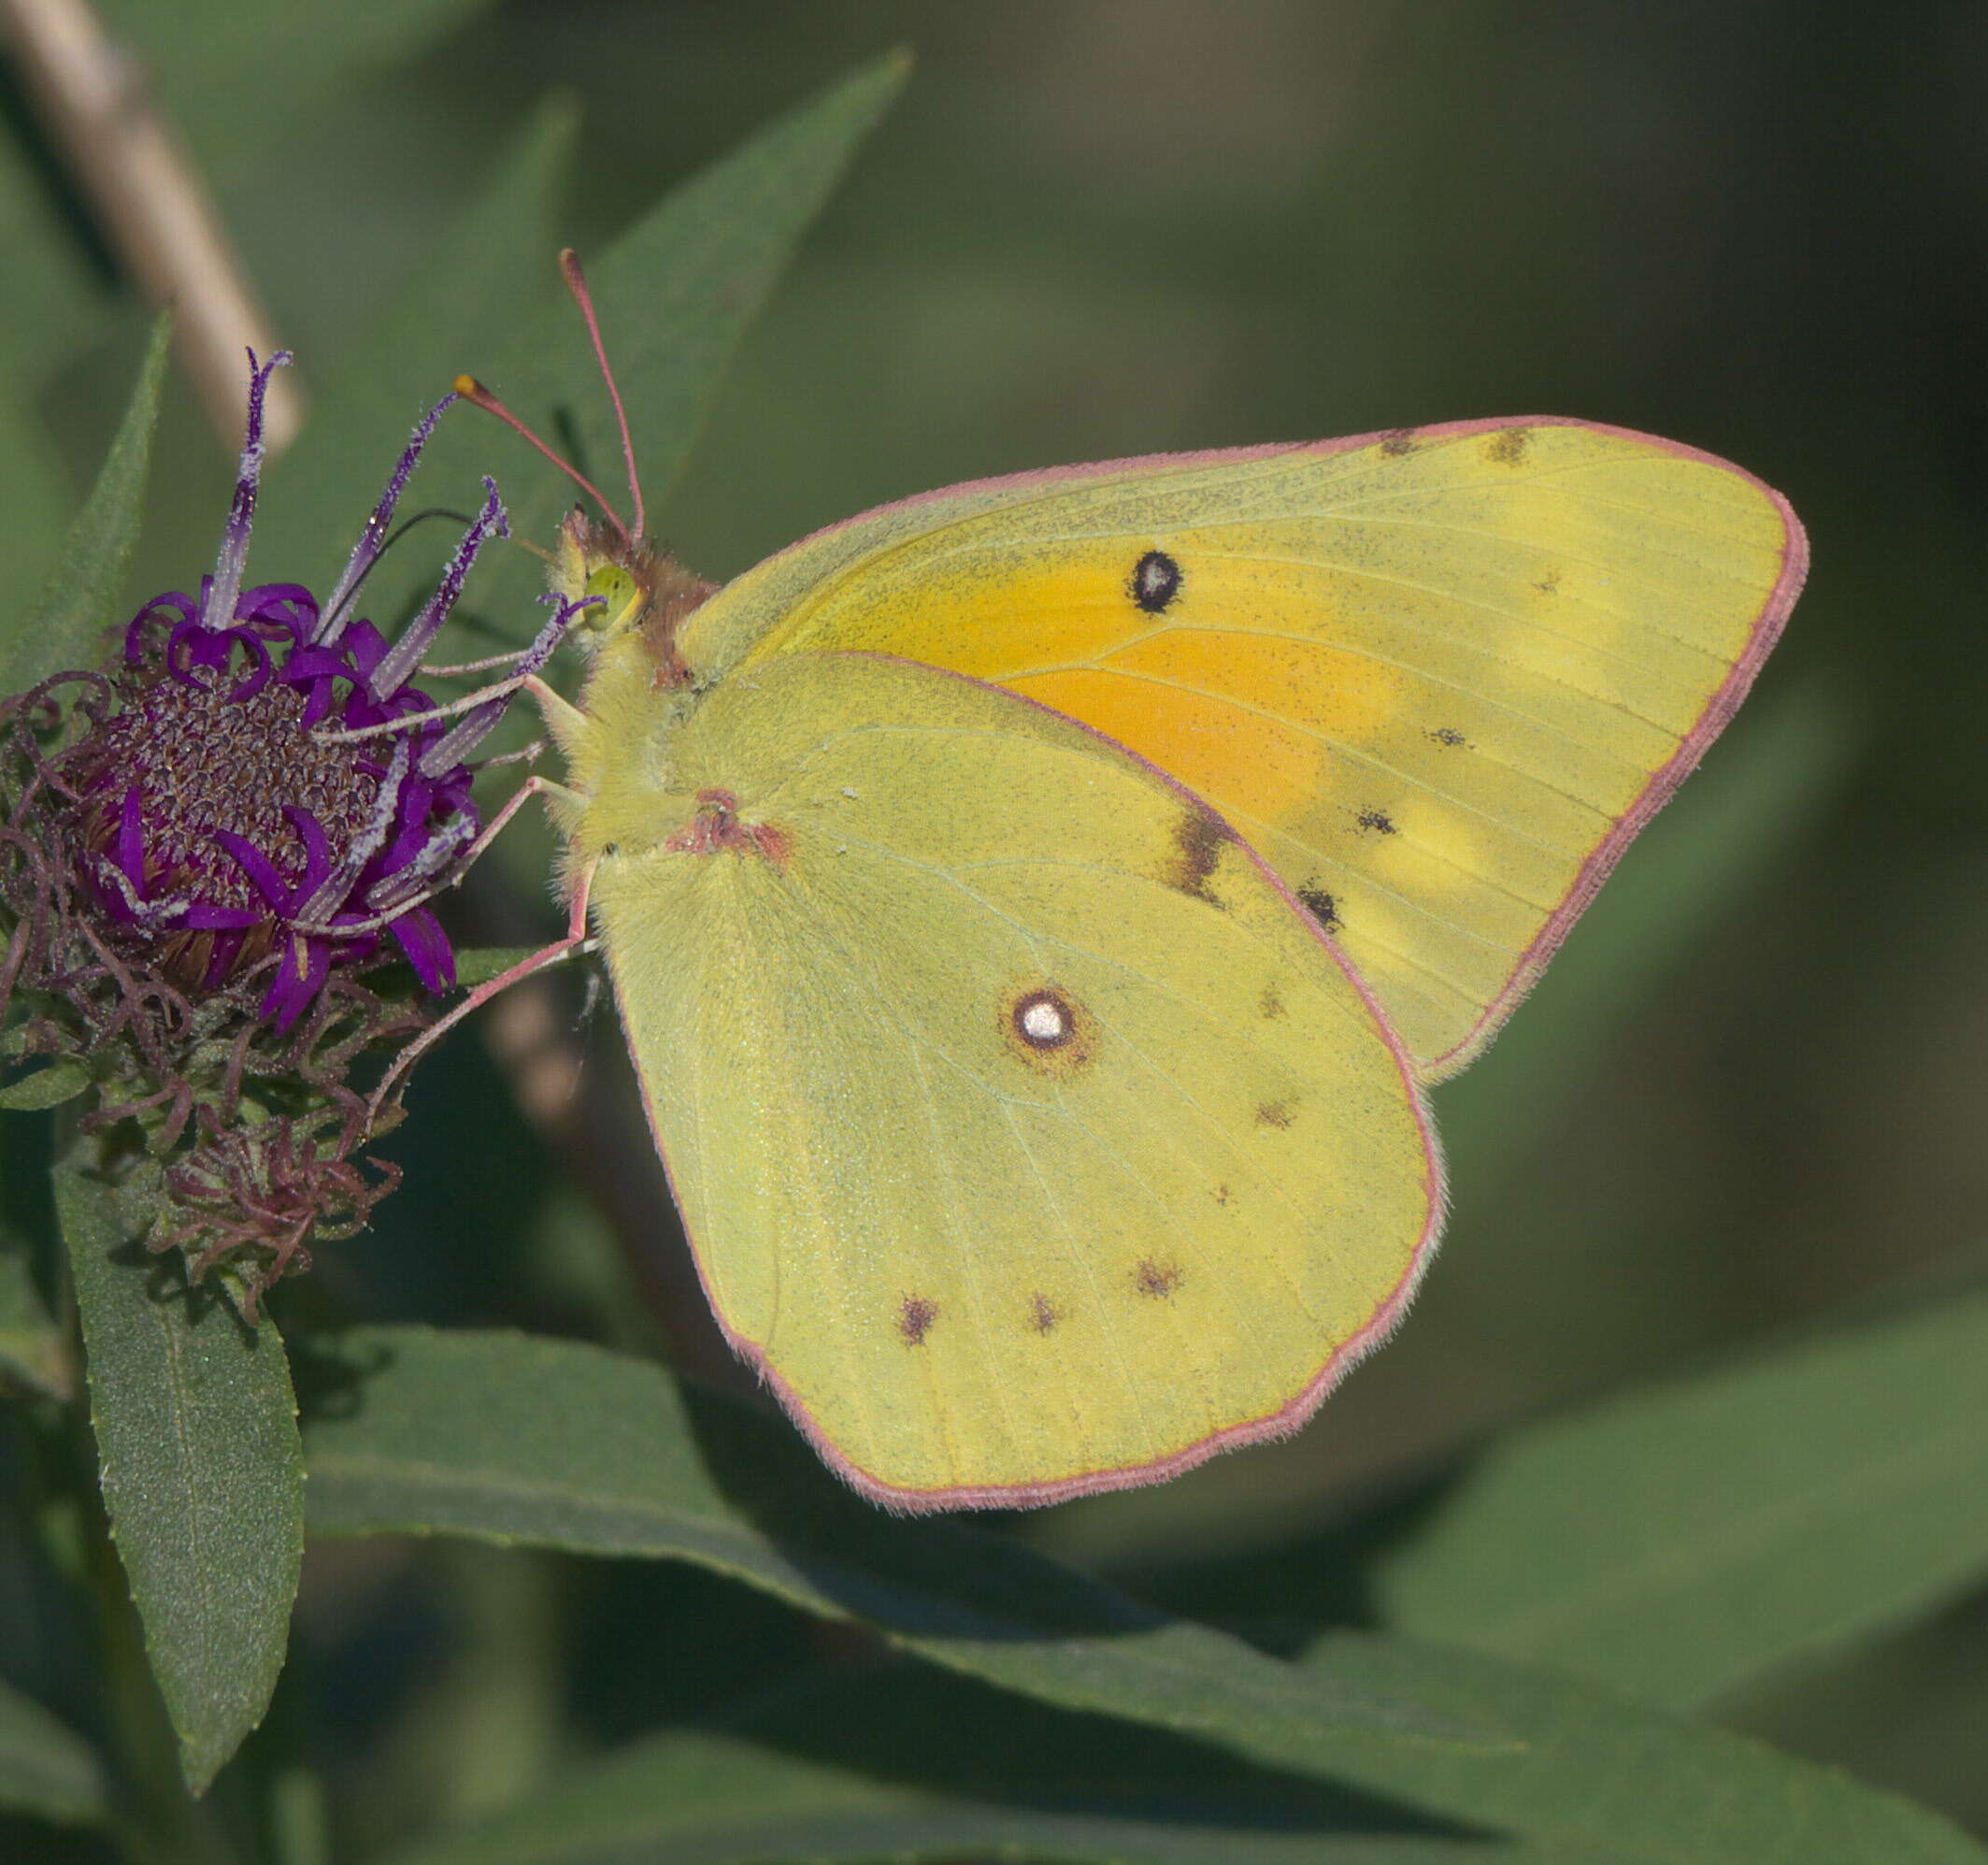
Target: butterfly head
633, 591
636, 589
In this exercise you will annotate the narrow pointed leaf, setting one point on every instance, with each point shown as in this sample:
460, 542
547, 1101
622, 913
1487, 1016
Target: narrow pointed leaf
492, 268
301, 52
478, 964
61, 1081
31, 489
674, 295
202, 1472
679, 291
1594, 1779
904, 1763
1685, 1542
697, 1799
61, 627
53, 301
33, 1351
46, 1768
517, 1440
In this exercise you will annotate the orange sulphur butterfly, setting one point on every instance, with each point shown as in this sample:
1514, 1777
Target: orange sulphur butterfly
1036, 907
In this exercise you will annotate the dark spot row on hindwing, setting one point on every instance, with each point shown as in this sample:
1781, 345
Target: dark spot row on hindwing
1401, 440
1507, 448
1154, 582
1199, 839
1155, 1279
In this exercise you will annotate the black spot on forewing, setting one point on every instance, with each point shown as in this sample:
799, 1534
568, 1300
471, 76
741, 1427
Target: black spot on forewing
1156, 581
1198, 841
1275, 1113
1549, 585
1320, 905
1508, 447
1043, 1313
1402, 440
1449, 736
1271, 1002
915, 1319
1377, 823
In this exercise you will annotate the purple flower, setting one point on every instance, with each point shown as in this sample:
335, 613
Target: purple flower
272, 799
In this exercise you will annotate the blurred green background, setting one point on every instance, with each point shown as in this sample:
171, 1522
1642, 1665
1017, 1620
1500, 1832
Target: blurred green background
1746, 1099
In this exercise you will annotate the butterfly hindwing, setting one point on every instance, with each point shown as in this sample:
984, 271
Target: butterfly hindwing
1030, 1139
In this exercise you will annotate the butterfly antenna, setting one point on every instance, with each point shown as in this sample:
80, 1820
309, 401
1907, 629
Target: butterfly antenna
474, 392
577, 283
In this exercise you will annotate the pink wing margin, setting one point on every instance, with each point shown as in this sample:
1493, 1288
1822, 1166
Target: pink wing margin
1719, 708
1286, 1419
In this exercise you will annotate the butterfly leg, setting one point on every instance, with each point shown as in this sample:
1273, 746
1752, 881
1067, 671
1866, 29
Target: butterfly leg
558, 951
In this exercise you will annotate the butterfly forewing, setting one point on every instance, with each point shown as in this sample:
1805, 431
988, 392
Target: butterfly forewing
1436, 678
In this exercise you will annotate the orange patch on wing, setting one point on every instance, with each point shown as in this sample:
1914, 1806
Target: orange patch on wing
989, 625
1349, 696
1209, 745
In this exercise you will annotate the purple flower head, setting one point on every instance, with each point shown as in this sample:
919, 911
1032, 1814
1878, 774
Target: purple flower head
273, 799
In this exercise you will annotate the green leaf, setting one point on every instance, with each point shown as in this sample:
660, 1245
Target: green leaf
877, 1767
678, 292
909, 1764
1596, 1779
31, 488
513, 1439
77, 599
33, 1351
196, 52
1683, 1543
202, 1472
479, 963
53, 302
46, 1768
674, 295
61, 1081
496, 262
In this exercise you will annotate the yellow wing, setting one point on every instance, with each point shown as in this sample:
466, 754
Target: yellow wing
1030, 1139
1437, 679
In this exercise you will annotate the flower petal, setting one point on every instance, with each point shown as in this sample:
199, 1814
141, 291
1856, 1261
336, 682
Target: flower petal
420, 935
300, 975
261, 870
